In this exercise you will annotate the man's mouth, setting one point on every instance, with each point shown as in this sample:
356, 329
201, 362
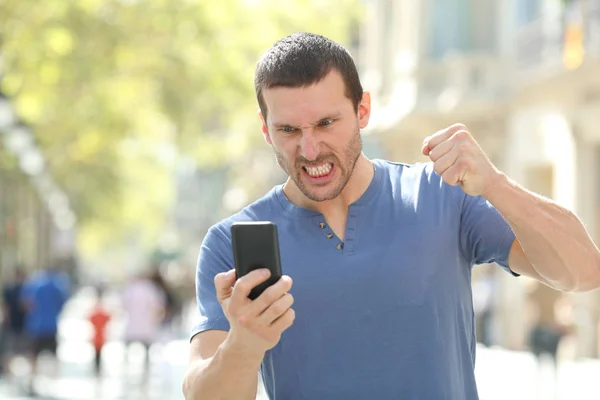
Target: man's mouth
318, 171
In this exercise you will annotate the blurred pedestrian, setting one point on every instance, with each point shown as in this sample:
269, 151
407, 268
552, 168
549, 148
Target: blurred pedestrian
14, 341
44, 295
144, 305
484, 288
172, 307
99, 318
547, 332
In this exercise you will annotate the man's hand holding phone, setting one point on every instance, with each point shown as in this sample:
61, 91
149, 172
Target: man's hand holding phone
255, 325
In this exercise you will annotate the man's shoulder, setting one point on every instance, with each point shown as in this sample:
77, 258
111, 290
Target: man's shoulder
421, 173
399, 167
265, 208
419, 183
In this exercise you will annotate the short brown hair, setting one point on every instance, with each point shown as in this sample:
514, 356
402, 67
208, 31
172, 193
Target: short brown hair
302, 59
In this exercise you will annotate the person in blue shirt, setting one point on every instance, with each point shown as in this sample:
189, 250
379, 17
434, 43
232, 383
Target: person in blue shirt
380, 252
44, 295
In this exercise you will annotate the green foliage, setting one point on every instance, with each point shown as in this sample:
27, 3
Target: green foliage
115, 88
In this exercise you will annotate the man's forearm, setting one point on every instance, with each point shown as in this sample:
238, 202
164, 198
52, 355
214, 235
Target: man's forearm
229, 374
552, 237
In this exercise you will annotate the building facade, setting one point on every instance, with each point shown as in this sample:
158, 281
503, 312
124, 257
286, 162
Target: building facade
524, 77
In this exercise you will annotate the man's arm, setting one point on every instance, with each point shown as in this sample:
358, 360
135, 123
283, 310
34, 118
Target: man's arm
552, 243
218, 370
224, 365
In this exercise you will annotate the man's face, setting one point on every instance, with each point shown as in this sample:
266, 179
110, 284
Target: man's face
315, 134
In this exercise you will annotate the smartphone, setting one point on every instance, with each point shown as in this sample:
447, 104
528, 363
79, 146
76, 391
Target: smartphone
256, 245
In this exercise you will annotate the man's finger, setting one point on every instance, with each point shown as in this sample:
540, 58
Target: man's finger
456, 174
434, 140
440, 150
285, 321
244, 285
223, 283
276, 310
445, 162
425, 149
271, 295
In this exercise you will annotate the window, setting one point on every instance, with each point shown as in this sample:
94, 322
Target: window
461, 26
527, 11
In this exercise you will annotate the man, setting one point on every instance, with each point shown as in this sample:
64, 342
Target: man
14, 342
547, 331
44, 295
380, 252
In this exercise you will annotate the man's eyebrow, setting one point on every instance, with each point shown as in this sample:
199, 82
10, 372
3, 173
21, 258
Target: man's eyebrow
281, 125
330, 116
284, 125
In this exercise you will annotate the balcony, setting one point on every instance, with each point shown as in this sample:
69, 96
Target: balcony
550, 46
470, 82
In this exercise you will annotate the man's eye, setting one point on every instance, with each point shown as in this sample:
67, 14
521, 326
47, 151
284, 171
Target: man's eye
288, 129
326, 122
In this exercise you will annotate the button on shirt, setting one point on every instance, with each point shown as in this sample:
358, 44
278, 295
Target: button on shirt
386, 314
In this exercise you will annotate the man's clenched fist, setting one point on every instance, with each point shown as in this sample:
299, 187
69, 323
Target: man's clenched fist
459, 160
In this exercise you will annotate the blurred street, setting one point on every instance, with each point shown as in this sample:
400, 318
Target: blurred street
128, 129
75, 379
75, 376
501, 374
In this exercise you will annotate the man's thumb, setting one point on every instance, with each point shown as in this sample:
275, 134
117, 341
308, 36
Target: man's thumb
225, 280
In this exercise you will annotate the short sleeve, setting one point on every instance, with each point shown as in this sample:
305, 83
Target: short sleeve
485, 236
215, 257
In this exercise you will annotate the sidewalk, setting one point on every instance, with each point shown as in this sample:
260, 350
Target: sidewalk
74, 378
501, 374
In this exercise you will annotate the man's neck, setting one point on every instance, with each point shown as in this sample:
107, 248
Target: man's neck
357, 185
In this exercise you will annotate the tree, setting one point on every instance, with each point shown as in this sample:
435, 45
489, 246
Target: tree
117, 90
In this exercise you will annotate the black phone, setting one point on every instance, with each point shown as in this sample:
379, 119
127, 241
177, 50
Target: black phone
256, 245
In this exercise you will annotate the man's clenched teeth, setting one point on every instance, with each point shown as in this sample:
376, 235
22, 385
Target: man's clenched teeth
320, 170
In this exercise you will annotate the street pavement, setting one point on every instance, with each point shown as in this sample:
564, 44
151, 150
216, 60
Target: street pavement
123, 374
500, 374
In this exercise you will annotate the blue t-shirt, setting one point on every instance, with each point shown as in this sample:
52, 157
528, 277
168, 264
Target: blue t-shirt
388, 313
46, 294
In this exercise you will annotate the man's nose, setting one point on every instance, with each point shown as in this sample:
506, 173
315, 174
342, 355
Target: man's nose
309, 146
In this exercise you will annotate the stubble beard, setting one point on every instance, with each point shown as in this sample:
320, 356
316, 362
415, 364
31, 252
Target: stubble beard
345, 169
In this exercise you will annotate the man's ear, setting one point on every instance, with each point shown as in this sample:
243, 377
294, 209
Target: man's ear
265, 129
364, 110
